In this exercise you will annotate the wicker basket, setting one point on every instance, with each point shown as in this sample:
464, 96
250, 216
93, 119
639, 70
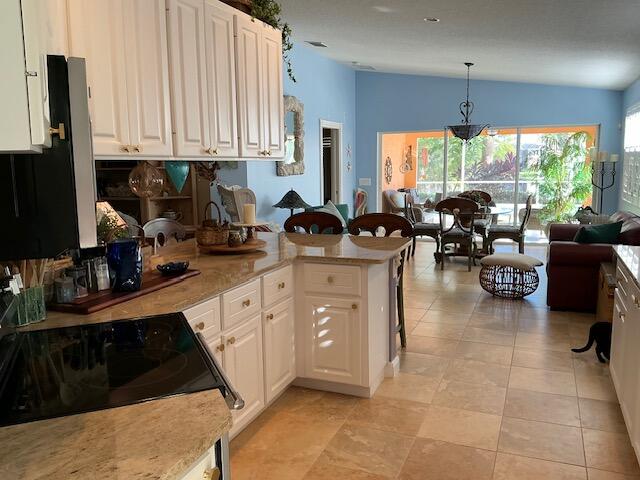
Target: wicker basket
212, 232
508, 282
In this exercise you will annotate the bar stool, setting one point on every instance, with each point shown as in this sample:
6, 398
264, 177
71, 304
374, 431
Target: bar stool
314, 222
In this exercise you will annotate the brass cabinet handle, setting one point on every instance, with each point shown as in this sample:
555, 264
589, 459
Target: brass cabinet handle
329, 279
211, 474
200, 326
207, 151
231, 341
220, 347
137, 148
354, 306
281, 285
58, 131
268, 152
126, 148
246, 303
622, 316
270, 316
214, 151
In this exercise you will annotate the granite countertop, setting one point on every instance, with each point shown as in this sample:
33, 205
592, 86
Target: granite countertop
630, 256
220, 273
159, 439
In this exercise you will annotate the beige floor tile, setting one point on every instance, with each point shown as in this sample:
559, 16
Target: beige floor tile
389, 414
462, 427
485, 353
439, 330
514, 467
602, 475
416, 388
368, 449
430, 366
449, 306
470, 396
543, 359
543, 407
546, 381
610, 451
485, 335
473, 371
597, 387
439, 316
497, 308
315, 404
543, 326
413, 313
599, 415
493, 323
436, 460
587, 364
300, 440
557, 343
441, 347
323, 469
545, 441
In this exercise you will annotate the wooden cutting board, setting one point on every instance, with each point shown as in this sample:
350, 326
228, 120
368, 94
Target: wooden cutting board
95, 302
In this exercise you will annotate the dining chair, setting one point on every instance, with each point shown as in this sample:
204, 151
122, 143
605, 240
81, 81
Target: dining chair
233, 198
461, 231
421, 228
390, 223
162, 230
314, 222
516, 233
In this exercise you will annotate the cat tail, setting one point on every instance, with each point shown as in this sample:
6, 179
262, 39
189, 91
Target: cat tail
587, 346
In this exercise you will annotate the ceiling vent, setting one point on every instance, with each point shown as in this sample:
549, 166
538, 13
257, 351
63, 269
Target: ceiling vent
317, 44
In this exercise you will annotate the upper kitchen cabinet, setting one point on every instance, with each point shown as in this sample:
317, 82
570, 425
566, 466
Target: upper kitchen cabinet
203, 81
24, 123
124, 43
260, 94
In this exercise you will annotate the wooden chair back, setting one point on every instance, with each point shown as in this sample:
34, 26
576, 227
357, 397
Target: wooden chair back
372, 222
527, 214
314, 222
162, 230
486, 196
463, 211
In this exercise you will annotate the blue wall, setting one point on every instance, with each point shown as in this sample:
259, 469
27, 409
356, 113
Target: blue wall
392, 102
328, 91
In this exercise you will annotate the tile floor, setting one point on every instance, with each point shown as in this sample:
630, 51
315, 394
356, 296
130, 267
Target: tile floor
488, 389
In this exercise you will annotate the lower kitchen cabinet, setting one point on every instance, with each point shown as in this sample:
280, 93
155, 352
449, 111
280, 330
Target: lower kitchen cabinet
243, 364
279, 348
333, 335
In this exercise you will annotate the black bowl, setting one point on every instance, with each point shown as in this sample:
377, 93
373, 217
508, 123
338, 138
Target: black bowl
173, 268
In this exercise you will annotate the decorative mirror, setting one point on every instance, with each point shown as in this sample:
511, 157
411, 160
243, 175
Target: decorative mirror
293, 163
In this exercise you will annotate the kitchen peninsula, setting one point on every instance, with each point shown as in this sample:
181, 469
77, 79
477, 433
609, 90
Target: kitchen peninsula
314, 310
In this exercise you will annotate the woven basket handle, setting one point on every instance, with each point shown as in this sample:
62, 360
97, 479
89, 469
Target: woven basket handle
206, 211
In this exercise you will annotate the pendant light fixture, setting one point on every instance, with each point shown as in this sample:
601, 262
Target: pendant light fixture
466, 131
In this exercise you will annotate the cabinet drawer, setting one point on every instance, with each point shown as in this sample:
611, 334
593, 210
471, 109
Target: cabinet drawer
332, 279
277, 285
205, 317
240, 303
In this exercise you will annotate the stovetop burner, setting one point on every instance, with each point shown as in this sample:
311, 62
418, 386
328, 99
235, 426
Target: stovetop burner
78, 369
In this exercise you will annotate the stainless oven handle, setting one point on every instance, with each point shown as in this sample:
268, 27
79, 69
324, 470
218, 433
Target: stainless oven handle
232, 398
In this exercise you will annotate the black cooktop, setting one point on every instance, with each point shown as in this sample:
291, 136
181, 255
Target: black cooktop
64, 371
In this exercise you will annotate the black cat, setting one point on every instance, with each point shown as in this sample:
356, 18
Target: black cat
600, 332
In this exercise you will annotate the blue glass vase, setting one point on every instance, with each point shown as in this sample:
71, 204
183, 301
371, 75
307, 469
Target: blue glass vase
125, 265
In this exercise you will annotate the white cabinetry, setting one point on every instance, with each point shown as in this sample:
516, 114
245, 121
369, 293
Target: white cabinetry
260, 102
625, 355
279, 348
203, 79
24, 123
125, 46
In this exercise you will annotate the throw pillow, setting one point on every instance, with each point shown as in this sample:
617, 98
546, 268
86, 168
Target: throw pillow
605, 233
333, 210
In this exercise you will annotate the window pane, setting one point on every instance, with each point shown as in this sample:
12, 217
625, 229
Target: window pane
430, 160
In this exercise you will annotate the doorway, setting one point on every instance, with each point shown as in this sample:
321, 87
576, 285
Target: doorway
331, 161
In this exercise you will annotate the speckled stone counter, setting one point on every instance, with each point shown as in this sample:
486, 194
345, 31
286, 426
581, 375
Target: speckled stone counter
159, 439
630, 256
220, 273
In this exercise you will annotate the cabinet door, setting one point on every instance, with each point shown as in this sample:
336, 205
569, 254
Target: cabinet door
221, 79
243, 364
189, 77
249, 82
332, 339
616, 364
272, 94
147, 73
96, 33
279, 350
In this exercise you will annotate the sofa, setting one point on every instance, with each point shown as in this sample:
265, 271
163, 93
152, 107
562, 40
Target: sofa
572, 268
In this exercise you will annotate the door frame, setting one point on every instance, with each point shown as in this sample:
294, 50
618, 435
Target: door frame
336, 160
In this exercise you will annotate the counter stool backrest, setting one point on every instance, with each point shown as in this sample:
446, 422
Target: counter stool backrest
373, 222
314, 222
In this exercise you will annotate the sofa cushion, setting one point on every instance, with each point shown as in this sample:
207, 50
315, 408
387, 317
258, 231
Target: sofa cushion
343, 208
605, 233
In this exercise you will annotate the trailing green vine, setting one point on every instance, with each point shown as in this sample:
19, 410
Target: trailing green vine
269, 12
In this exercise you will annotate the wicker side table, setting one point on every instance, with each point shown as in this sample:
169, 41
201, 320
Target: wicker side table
509, 275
